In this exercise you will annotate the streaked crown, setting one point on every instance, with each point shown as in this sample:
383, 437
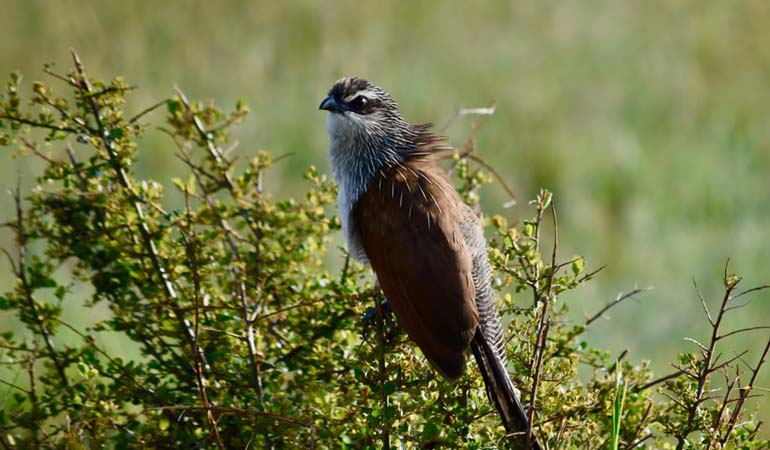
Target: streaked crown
359, 96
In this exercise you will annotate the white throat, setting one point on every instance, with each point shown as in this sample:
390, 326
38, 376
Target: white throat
355, 157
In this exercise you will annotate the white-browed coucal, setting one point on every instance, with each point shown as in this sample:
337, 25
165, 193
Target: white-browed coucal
401, 214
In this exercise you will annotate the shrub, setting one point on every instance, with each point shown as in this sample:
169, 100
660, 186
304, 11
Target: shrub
245, 340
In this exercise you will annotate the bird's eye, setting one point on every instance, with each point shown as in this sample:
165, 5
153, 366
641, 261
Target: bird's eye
359, 102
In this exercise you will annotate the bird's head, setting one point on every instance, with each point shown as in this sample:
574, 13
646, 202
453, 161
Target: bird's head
360, 110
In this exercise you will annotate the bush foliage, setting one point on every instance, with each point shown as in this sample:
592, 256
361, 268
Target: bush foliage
248, 341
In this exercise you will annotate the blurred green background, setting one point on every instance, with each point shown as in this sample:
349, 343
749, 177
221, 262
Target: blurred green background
647, 119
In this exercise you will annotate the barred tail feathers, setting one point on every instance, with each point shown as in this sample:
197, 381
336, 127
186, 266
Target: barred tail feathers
501, 392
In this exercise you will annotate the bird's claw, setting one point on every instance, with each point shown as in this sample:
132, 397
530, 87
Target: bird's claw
370, 317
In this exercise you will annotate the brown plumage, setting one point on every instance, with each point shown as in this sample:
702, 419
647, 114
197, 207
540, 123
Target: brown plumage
426, 272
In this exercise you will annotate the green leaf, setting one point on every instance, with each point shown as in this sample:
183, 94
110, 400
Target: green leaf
116, 133
578, 265
389, 388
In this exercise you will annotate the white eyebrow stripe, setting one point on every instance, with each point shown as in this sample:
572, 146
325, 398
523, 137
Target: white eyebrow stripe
368, 93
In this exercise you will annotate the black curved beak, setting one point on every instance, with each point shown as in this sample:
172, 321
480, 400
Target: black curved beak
330, 104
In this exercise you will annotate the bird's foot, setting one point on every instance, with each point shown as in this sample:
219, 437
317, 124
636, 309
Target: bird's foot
373, 315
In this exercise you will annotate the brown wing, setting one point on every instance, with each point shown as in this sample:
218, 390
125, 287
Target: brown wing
408, 225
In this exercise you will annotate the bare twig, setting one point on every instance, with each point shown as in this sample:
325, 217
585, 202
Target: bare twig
76, 167
382, 371
536, 376
703, 302
728, 362
69, 81
543, 326
21, 241
36, 124
345, 268
482, 111
619, 299
286, 308
639, 441
148, 110
742, 330
470, 146
497, 175
745, 393
657, 381
13, 386
590, 275
34, 404
749, 291
717, 422
642, 424
33, 148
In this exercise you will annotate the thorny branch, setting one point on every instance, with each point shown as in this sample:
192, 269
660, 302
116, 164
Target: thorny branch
37, 124
191, 248
544, 324
33, 400
148, 110
744, 393
84, 85
21, 240
708, 365
147, 345
245, 412
238, 266
382, 373
619, 299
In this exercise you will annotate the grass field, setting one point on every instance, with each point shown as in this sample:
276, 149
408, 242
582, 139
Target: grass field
648, 120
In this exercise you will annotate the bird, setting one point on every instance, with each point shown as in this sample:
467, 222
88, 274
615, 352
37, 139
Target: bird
401, 215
